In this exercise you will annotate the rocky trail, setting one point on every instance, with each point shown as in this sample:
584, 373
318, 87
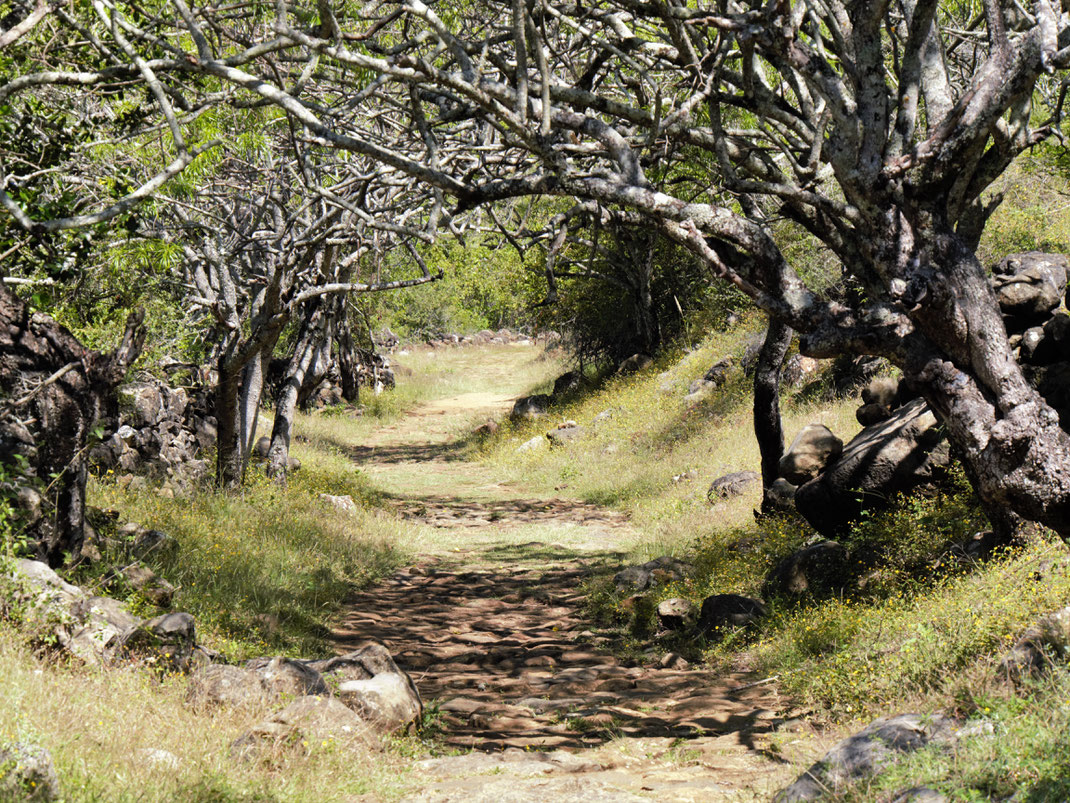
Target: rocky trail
532, 700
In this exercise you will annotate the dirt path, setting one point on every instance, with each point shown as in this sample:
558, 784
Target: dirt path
493, 635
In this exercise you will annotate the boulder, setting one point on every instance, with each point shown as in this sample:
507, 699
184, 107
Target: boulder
732, 485
27, 773
675, 614
1039, 647
488, 429
819, 569
308, 719
1029, 286
564, 433
152, 543
723, 611
882, 390
531, 406
144, 580
285, 676
262, 447
567, 382
718, 372
813, 448
167, 643
870, 414
780, 496
65, 616
344, 503
898, 455
224, 685
532, 444
798, 369
865, 753
368, 681
637, 362
663, 569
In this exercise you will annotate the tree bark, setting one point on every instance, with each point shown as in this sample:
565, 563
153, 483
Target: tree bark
348, 364
282, 430
64, 388
768, 429
228, 443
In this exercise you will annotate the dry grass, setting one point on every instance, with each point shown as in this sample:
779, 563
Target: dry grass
101, 726
629, 460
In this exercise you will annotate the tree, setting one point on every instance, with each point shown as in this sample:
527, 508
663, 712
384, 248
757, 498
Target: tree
877, 126
265, 243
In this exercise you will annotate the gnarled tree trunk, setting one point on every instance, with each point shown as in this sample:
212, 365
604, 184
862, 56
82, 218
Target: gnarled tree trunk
767, 423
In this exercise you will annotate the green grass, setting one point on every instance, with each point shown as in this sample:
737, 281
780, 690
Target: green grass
917, 632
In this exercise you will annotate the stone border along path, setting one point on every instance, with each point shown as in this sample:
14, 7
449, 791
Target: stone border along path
494, 637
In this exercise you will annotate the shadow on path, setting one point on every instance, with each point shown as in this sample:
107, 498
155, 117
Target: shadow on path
511, 664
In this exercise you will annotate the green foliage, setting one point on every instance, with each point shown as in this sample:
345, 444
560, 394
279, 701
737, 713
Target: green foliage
642, 293
481, 288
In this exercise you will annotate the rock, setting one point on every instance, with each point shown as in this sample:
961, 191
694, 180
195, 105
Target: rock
818, 569
978, 548
781, 496
371, 683
530, 445
798, 369
1029, 286
870, 414
882, 390
1053, 383
896, 456
488, 429
293, 464
723, 611
673, 660
732, 485
675, 614
660, 570
1039, 647
143, 404
156, 759
632, 578
143, 580
386, 700
813, 448
605, 415
718, 372
863, 754
344, 502
27, 773
567, 383
531, 406
67, 617
637, 362
285, 676
153, 543
308, 719
29, 503
167, 642
565, 433
224, 685
1030, 344
697, 391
